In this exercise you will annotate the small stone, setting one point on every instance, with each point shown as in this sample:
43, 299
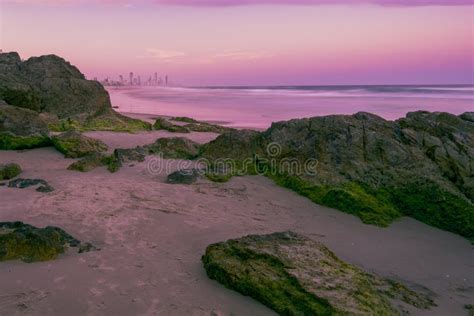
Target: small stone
184, 176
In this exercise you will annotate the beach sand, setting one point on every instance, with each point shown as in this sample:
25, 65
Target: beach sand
152, 236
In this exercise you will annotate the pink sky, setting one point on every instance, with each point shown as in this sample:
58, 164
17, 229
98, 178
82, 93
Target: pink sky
264, 42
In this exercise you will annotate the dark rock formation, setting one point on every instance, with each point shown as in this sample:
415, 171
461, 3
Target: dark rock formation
128, 155
420, 166
51, 85
19, 241
184, 176
174, 148
9, 171
75, 145
20, 183
297, 276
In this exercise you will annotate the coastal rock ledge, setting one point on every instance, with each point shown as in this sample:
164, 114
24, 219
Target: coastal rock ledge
295, 275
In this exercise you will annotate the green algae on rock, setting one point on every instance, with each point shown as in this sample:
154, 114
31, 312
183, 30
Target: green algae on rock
294, 275
75, 145
19, 241
21, 129
164, 124
95, 160
174, 148
419, 166
9, 171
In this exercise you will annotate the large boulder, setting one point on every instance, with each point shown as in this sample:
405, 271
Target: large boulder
420, 166
75, 145
295, 275
52, 86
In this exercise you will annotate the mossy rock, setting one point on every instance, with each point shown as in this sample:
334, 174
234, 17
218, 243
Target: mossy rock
184, 119
174, 148
19, 241
95, 160
10, 141
75, 145
294, 275
206, 127
218, 177
9, 171
111, 123
164, 124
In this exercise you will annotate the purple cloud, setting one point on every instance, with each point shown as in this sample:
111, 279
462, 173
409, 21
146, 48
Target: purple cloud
217, 3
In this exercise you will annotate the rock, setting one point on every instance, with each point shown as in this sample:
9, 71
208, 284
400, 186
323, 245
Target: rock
294, 275
95, 160
184, 176
49, 84
9, 171
21, 129
174, 148
164, 124
206, 127
75, 145
184, 119
19, 241
420, 166
130, 154
470, 309
21, 183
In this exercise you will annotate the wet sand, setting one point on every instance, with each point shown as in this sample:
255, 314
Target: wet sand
152, 236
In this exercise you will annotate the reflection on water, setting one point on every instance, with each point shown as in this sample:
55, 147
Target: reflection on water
258, 107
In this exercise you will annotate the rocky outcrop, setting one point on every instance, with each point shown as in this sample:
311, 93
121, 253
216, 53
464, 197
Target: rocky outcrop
420, 166
183, 176
75, 145
295, 275
174, 148
9, 171
52, 86
19, 241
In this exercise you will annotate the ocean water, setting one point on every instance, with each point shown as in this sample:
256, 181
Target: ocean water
258, 107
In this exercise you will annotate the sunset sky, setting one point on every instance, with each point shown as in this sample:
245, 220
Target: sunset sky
252, 42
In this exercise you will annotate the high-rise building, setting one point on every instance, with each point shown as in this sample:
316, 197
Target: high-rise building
131, 79
121, 79
139, 81
166, 80
155, 80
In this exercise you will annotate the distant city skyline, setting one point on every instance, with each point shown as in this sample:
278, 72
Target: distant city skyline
134, 80
251, 42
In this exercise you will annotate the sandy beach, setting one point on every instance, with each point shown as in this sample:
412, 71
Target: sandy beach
153, 234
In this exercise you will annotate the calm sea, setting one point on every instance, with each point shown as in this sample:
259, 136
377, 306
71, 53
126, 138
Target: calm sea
258, 107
